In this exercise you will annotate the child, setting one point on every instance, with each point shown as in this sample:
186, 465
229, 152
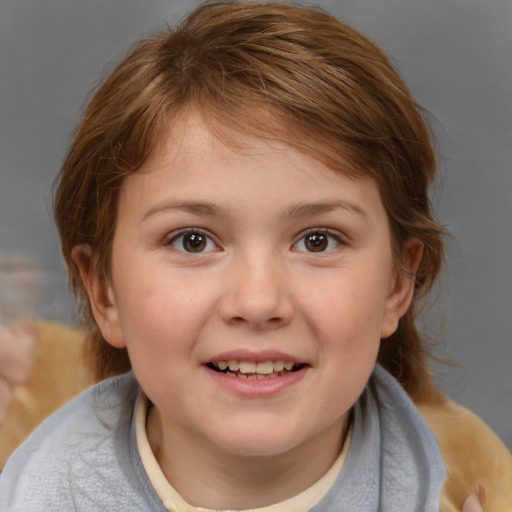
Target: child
245, 218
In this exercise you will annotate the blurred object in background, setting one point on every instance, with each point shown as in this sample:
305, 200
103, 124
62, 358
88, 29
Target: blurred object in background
43, 361
29, 291
18, 303
18, 288
59, 373
16, 360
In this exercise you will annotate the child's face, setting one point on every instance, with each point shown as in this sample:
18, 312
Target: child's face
265, 257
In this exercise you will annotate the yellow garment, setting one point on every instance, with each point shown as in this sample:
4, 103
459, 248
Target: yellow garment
474, 456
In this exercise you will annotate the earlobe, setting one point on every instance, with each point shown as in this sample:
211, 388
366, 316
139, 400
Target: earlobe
401, 289
101, 295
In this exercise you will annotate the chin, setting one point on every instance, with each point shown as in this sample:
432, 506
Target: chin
258, 441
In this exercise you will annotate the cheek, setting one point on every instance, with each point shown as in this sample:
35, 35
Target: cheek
163, 317
348, 309
349, 334
159, 333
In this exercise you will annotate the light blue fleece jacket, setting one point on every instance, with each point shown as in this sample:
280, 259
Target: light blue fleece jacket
85, 457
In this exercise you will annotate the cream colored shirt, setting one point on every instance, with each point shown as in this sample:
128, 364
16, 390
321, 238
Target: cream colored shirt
175, 503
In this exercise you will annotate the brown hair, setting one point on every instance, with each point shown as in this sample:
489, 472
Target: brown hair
316, 84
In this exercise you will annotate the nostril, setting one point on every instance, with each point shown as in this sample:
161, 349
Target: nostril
274, 321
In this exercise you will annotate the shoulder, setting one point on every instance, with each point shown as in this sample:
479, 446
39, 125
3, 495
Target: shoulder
81, 442
473, 454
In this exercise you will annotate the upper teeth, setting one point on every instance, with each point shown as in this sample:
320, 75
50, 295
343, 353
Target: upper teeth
263, 368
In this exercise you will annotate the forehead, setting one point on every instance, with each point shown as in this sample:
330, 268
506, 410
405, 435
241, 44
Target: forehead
242, 174
243, 129
253, 133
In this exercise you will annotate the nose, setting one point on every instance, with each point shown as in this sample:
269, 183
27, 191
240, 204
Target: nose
257, 294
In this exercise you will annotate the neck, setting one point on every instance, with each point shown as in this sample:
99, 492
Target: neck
209, 477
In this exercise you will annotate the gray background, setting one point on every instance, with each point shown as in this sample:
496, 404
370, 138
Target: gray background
457, 58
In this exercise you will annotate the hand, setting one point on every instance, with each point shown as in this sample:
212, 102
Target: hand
16, 360
472, 503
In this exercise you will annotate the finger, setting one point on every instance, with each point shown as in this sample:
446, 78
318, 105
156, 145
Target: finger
472, 504
6, 398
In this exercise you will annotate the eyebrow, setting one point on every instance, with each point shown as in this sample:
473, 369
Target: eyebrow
322, 207
196, 208
298, 210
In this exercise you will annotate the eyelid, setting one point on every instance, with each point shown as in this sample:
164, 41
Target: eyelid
323, 231
340, 239
170, 238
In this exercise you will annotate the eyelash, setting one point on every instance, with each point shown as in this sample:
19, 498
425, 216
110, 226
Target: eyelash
322, 232
208, 240
174, 238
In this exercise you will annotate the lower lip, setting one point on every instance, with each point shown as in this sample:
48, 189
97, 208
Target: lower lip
255, 388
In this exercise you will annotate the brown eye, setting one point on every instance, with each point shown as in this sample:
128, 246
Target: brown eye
316, 242
193, 242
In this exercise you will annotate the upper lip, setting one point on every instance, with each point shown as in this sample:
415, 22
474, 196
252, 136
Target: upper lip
257, 357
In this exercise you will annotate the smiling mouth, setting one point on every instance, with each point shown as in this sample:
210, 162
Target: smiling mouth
252, 370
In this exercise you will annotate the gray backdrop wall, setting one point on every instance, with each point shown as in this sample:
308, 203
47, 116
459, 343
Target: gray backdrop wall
457, 58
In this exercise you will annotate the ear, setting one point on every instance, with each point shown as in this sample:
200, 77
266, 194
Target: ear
101, 295
401, 289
